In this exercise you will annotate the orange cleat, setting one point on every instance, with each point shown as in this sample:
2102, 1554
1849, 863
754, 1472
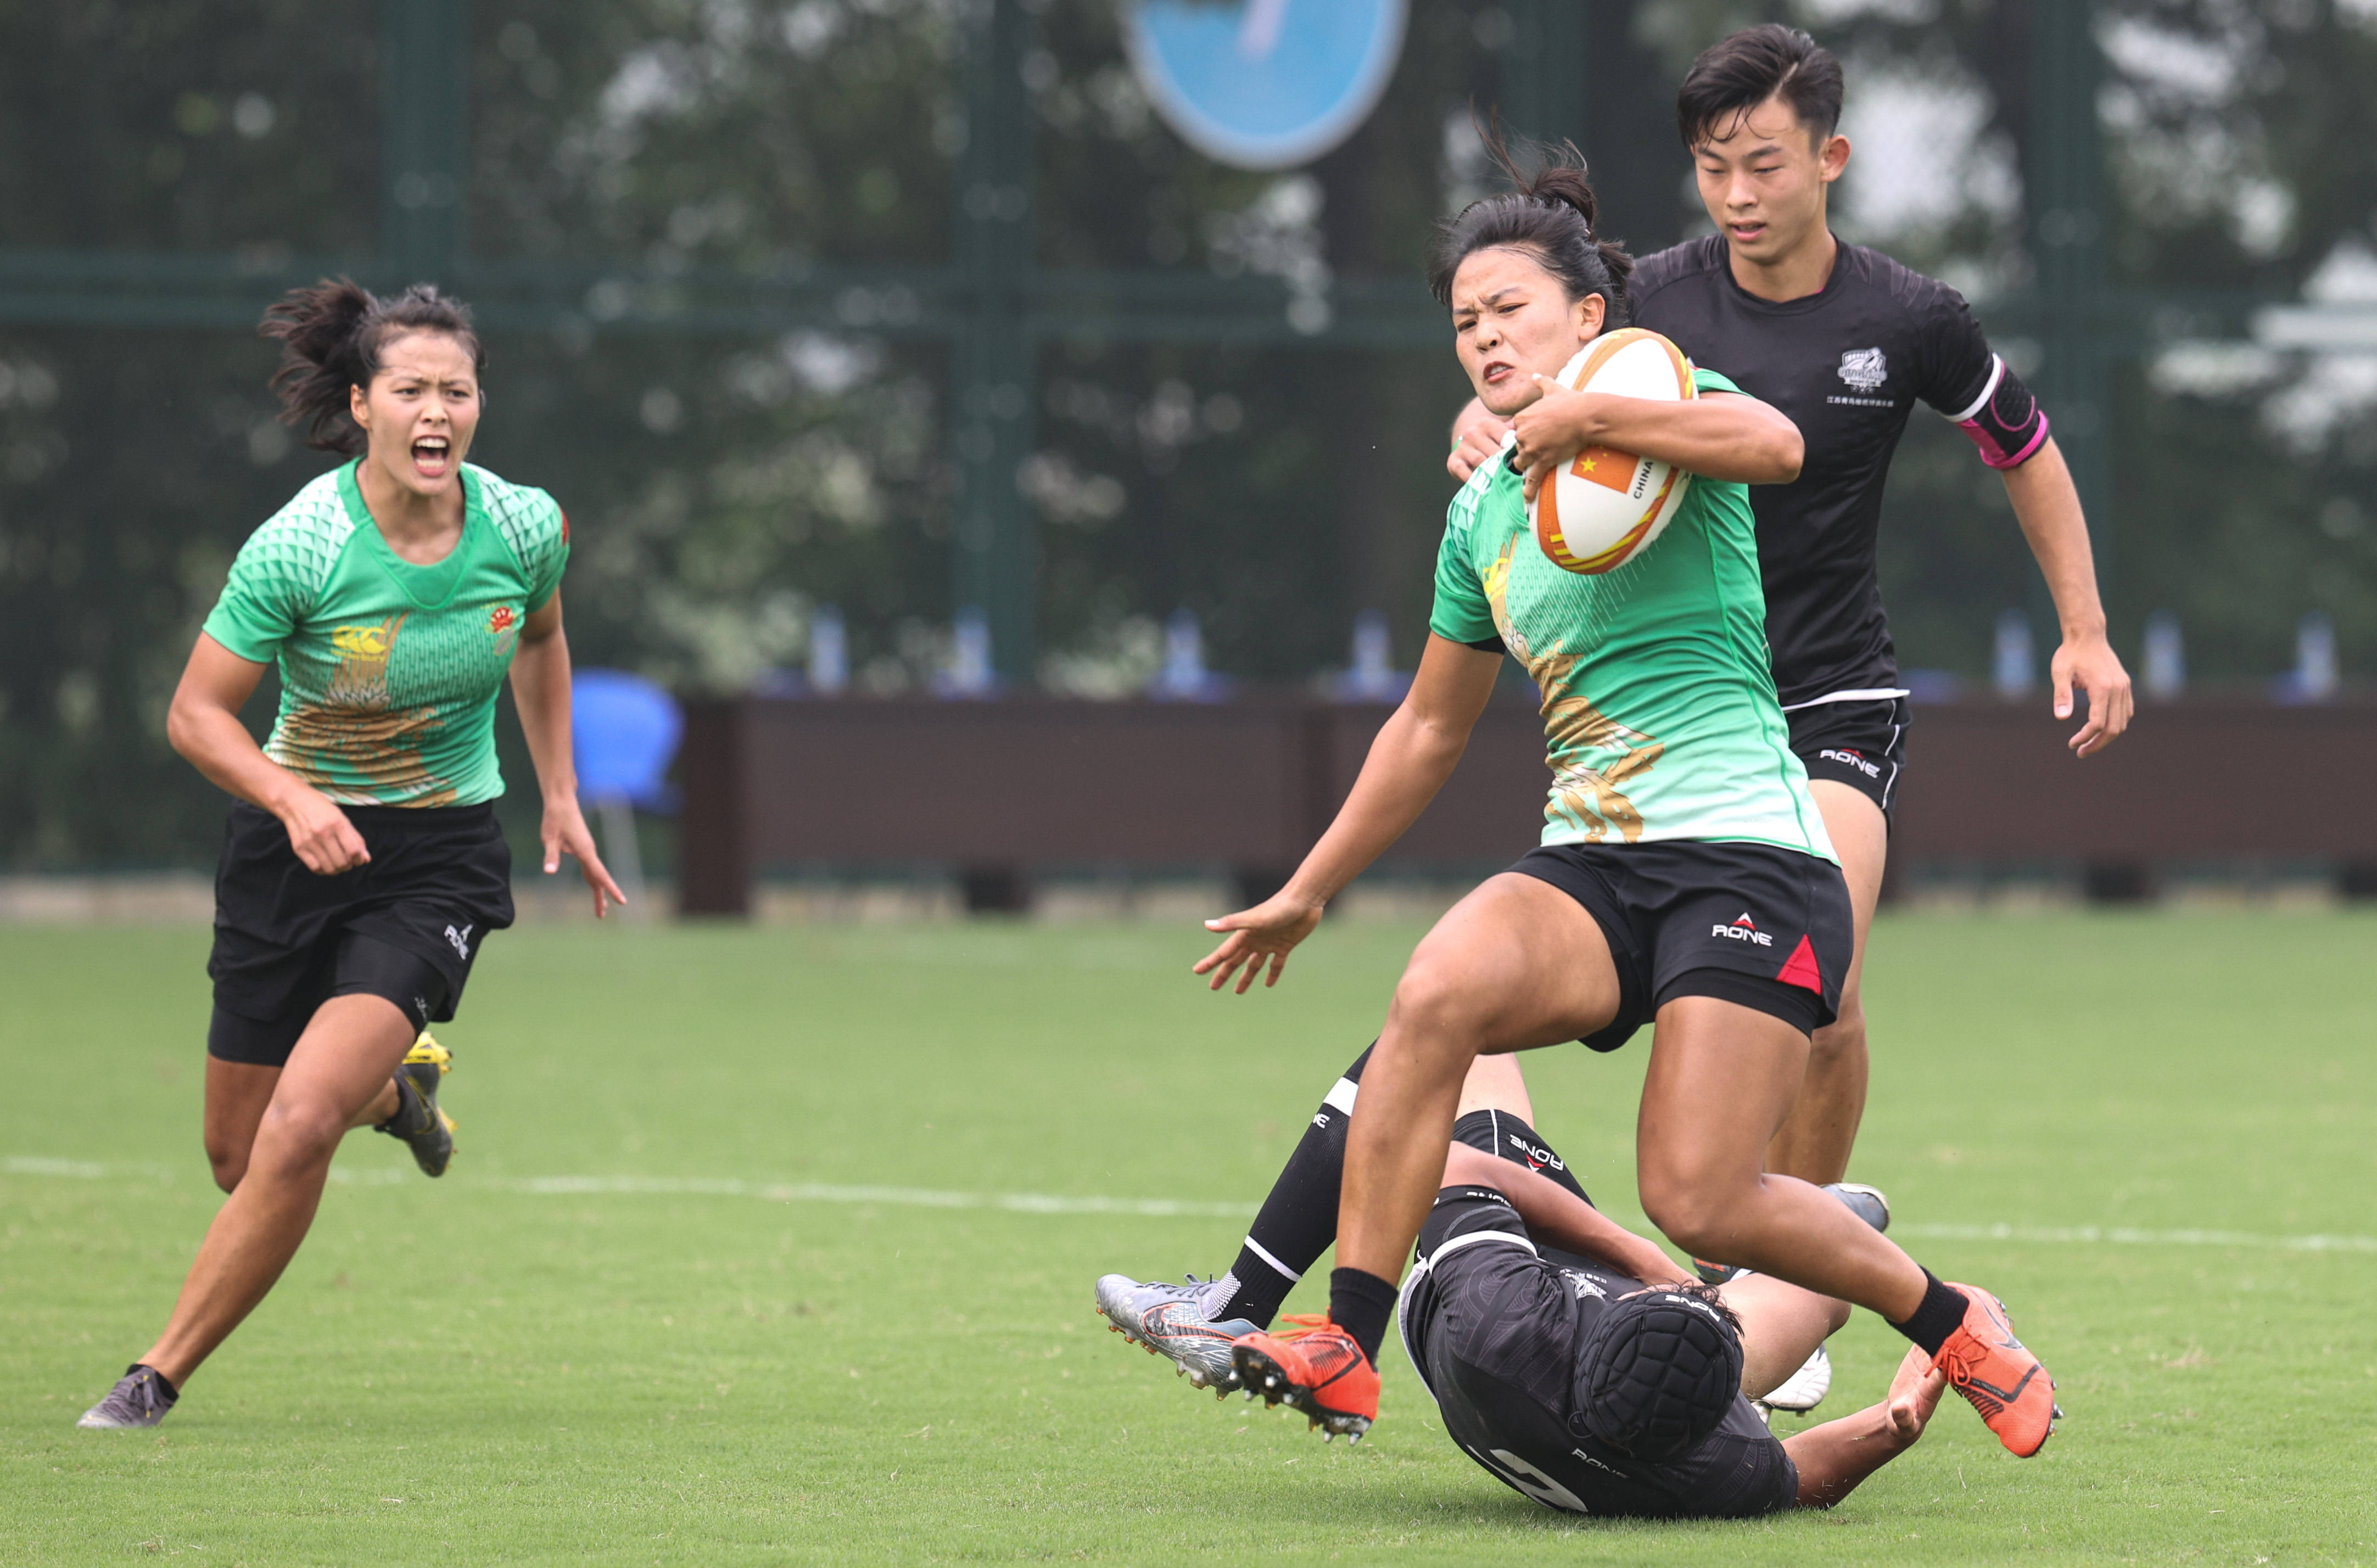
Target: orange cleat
2005, 1382
1314, 1367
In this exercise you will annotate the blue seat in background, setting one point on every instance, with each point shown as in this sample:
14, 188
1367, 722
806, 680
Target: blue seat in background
623, 731
626, 729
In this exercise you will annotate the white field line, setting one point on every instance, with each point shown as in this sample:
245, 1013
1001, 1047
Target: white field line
911, 1197
2096, 1235
698, 1187
1159, 1208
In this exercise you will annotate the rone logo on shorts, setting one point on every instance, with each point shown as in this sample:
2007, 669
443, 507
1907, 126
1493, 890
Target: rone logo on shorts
1852, 758
1536, 1159
461, 941
1743, 930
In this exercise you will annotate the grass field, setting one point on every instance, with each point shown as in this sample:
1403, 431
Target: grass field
674, 1364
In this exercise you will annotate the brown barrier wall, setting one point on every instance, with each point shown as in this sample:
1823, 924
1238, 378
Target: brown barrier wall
2203, 780
1037, 783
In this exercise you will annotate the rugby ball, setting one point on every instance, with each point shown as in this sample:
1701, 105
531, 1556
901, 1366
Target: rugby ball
1605, 507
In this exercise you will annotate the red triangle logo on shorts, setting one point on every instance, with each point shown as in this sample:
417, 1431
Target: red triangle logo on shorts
1800, 969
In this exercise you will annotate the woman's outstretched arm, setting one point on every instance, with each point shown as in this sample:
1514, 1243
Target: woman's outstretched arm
1409, 761
1833, 1459
541, 688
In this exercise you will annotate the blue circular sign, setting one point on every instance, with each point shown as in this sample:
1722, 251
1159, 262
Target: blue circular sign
1264, 84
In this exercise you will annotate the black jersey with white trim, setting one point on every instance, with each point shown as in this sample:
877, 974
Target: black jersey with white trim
1847, 366
1493, 1320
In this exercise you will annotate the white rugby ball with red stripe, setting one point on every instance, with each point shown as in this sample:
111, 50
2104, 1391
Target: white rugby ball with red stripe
1603, 508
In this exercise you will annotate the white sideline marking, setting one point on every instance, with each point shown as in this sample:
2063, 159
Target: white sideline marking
1154, 1208
699, 1187
913, 1197
34, 1165
2127, 1236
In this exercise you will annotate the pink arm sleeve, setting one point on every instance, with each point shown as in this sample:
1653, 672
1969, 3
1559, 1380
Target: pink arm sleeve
2005, 422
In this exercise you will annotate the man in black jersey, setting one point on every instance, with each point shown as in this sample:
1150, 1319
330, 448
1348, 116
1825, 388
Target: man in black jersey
1571, 1359
1843, 340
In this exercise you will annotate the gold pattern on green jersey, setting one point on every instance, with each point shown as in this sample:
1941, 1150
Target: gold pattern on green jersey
389, 669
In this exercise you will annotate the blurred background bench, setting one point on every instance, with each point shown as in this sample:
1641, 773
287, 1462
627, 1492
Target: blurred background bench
1002, 792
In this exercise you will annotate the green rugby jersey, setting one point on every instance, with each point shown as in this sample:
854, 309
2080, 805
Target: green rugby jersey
389, 671
1660, 716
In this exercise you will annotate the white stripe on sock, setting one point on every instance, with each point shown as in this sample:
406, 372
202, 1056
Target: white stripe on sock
1258, 1249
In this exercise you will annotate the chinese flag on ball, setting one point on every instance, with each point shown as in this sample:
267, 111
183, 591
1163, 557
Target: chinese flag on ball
1607, 507
1605, 466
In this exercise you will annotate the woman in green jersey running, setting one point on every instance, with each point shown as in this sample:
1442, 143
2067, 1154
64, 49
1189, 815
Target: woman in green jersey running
363, 867
1684, 877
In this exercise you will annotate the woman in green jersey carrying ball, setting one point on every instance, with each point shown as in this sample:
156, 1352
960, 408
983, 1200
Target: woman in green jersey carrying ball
1684, 879
363, 867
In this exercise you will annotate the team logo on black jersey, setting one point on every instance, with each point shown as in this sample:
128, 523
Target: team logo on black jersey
1864, 368
1583, 1286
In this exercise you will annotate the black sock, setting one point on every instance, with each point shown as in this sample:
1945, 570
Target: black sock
1298, 1220
1360, 1304
1932, 1323
170, 1391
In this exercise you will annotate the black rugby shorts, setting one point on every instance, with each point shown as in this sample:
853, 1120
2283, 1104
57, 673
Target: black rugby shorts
1507, 1137
1860, 744
1748, 923
406, 926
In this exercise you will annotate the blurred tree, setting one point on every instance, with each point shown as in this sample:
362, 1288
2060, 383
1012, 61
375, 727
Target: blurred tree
190, 126
1277, 492
130, 466
722, 487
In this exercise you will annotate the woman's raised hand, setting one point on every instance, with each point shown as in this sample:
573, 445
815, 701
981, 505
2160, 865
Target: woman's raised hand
1266, 931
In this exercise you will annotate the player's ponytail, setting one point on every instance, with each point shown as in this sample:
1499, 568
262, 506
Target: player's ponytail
331, 337
1552, 213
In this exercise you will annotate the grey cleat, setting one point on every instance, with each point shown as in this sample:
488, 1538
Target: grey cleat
1866, 1202
1170, 1320
140, 1398
418, 1123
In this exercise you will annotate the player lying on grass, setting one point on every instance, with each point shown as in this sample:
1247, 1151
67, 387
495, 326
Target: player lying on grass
1685, 877
1574, 1359
1193, 1324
